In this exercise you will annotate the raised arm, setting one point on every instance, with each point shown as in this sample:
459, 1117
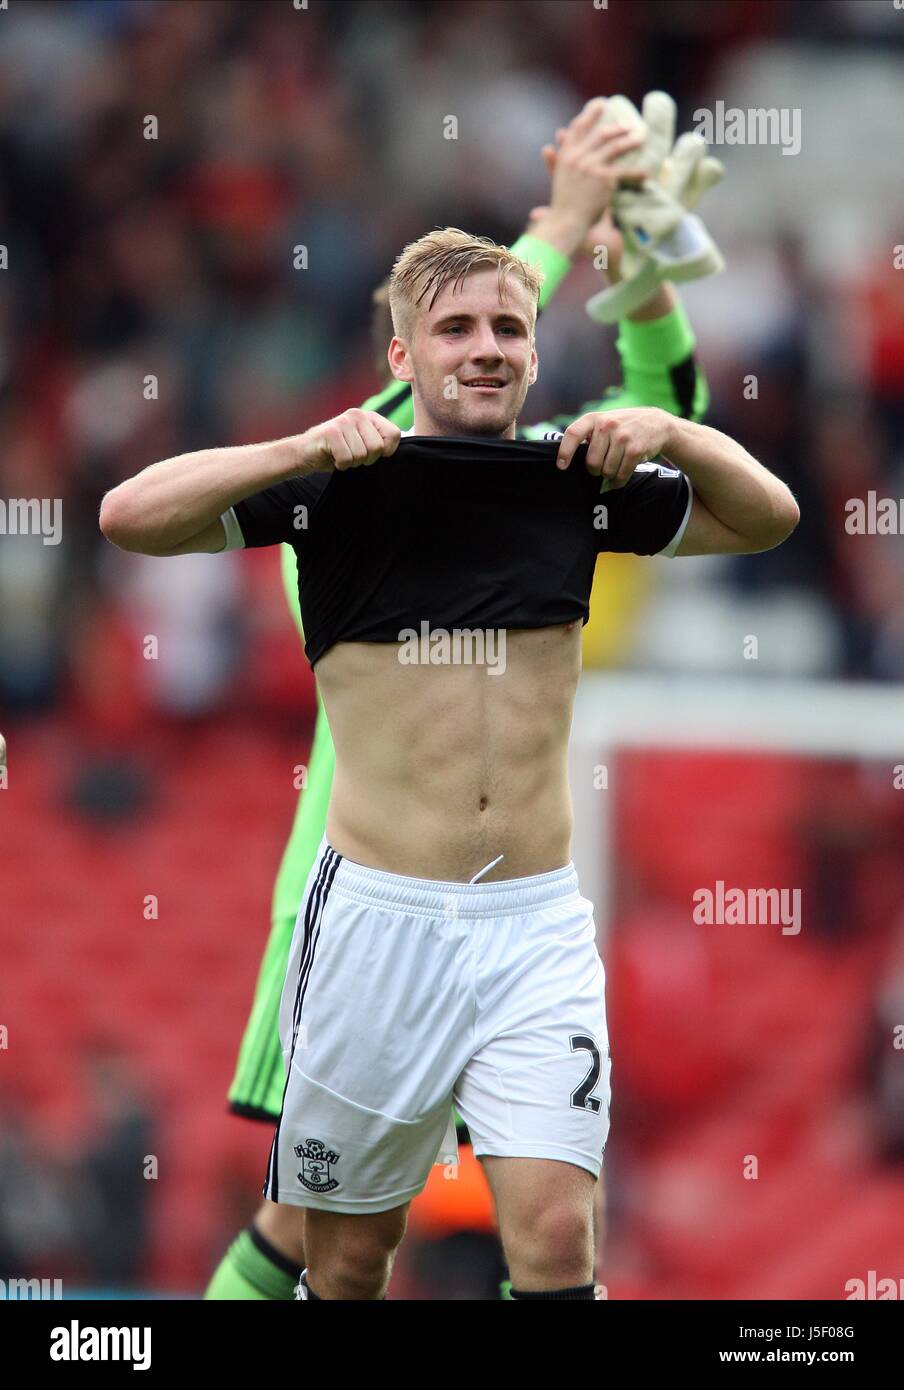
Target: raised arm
656, 345
584, 174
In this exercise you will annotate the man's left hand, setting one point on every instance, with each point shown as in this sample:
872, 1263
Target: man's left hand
618, 441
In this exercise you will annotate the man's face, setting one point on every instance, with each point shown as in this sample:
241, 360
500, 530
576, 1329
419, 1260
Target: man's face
471, 358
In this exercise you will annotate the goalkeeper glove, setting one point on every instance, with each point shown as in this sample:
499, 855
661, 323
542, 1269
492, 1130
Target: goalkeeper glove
663, 240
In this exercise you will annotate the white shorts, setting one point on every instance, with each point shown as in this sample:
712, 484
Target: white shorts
405, 995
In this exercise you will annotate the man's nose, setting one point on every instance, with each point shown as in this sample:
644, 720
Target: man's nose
484, 344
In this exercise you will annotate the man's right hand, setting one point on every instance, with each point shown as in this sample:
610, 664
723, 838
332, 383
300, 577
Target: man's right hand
353, 439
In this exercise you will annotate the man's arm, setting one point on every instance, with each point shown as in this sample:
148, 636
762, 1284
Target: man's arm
656, 344
659, 368
175, 507
737, 506
659, 362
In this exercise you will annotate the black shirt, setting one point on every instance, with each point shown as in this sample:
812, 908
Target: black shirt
458, 533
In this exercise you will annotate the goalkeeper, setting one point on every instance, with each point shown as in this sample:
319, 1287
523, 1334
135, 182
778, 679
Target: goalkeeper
596, 161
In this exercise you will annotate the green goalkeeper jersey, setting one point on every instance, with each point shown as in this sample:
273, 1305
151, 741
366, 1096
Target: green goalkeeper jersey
658, 369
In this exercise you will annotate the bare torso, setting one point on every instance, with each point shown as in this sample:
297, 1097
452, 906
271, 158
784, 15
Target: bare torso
440, 769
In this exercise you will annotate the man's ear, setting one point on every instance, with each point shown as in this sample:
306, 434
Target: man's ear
399, 360
534, 367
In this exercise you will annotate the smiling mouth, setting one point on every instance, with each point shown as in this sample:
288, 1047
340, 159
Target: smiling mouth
487, 385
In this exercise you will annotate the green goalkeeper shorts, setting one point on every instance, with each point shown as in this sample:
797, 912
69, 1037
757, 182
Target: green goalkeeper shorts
257, 1088
260, 1077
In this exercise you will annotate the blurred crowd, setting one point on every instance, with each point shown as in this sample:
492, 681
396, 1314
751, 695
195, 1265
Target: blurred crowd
161, 164
80, 1211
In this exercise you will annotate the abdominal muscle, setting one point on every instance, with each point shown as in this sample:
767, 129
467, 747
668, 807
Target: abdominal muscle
441, 769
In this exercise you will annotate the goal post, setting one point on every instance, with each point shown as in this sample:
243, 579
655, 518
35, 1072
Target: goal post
615, 711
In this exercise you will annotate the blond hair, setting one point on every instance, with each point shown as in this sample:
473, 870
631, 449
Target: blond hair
444, 257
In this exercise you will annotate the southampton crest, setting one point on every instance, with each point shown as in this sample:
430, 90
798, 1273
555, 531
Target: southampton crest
316, 1159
